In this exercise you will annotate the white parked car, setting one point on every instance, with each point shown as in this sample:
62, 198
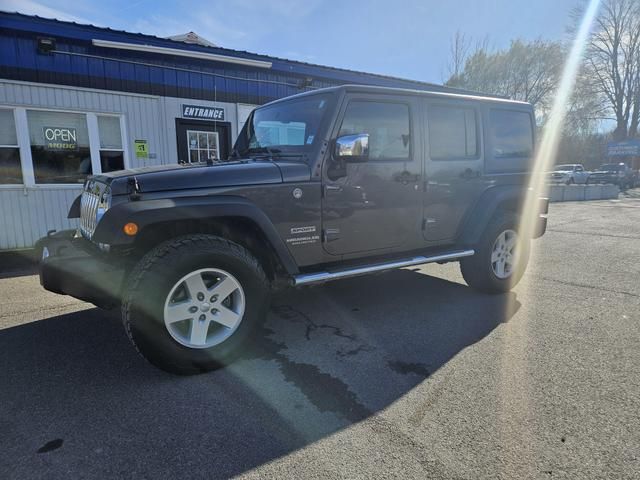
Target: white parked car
569, 174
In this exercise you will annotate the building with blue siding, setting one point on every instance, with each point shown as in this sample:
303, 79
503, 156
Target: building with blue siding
79, 99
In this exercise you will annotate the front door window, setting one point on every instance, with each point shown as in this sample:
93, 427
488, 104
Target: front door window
203, 146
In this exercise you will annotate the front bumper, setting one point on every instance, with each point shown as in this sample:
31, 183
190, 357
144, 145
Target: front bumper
73, 268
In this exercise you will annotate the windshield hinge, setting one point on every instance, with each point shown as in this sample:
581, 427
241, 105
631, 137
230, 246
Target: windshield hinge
134, 188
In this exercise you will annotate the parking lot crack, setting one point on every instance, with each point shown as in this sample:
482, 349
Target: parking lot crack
632, 237
324, 391
287, 312
591, 287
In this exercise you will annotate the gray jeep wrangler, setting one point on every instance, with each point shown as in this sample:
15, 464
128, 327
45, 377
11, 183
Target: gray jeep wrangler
320, 186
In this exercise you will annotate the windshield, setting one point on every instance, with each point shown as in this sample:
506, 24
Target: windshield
292, 126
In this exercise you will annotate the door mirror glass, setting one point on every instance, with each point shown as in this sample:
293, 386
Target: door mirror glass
352, 148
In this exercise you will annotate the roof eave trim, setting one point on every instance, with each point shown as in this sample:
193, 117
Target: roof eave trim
182, 53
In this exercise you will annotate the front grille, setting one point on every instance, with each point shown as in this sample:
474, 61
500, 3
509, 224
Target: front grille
90, 202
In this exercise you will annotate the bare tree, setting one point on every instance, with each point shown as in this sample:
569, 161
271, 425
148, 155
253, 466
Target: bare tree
586, 108
613, 62
459, 48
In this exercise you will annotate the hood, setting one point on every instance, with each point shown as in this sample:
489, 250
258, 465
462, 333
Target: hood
187, 177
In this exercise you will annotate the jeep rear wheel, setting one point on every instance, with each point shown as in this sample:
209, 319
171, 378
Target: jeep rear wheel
501, 256
193, 303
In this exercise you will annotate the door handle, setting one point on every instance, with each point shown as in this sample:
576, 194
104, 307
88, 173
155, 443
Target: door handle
469, 174
406, 177
332, 188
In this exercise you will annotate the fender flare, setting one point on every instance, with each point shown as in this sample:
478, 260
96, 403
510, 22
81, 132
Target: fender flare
480, 216
145, 213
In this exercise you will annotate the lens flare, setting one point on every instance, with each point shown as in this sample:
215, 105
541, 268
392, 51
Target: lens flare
548, 147
515, 414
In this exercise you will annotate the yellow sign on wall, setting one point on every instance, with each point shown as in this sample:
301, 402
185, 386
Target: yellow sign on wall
142, 148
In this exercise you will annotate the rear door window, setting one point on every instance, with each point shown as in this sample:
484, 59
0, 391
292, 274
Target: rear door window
453, 132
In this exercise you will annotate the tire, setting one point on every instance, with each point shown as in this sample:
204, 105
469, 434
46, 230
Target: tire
479, 271
571, 181
187, 346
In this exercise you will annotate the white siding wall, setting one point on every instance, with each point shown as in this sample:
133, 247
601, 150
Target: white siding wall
28, 212
244, 110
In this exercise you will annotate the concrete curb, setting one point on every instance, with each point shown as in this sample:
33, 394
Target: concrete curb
579, 193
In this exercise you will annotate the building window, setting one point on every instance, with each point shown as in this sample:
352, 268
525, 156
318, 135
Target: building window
512, 133
111, 151
59, 146
387, 125
10, 170
203, 146
452, 133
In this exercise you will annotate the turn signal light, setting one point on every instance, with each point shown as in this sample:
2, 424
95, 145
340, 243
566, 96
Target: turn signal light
130, 229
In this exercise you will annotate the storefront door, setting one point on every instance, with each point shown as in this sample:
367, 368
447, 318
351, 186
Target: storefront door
202, 141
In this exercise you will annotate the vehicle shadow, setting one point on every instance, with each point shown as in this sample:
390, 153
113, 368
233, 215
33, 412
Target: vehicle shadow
17, 264
77, 401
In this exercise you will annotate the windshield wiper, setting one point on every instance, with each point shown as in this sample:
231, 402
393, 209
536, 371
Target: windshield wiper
266, 152
263, 150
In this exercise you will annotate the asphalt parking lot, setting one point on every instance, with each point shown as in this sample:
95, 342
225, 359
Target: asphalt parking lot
406, 374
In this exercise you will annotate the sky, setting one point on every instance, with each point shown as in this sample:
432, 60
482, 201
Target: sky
402, 38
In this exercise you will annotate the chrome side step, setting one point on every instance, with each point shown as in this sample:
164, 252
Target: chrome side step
319, 277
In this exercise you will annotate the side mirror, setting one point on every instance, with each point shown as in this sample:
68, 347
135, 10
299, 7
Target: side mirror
352, 148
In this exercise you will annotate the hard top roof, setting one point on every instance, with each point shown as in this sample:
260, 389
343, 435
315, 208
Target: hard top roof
407, 91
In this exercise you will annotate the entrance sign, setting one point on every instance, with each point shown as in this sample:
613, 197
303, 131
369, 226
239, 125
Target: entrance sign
203, 113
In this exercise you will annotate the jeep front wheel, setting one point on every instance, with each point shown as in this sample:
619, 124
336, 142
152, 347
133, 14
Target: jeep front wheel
193, 303
501, 256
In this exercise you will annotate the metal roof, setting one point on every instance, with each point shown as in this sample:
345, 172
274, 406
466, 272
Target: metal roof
54, 27
103, 58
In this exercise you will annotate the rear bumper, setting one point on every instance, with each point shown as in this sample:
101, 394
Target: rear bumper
541, 222
72, 269
541, 227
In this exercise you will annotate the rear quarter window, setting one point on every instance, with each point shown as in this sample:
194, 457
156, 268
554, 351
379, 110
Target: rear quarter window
511, 133
510, 140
